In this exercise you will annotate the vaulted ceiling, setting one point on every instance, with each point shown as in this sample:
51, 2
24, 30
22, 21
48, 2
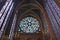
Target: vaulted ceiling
28, 1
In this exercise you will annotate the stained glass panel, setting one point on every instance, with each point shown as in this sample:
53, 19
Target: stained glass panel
29, 25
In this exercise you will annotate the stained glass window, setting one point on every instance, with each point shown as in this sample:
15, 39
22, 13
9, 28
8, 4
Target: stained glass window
29, 25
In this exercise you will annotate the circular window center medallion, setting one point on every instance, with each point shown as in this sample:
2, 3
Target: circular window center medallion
29, 25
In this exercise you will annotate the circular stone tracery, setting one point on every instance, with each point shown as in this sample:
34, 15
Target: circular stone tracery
29, 25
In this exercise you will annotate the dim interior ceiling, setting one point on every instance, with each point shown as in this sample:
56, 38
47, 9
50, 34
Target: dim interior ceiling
21, 11
28, 1
28, 4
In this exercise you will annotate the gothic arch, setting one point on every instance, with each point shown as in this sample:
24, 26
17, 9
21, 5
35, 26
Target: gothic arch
46, 12
41, 10
35, 6
33, 15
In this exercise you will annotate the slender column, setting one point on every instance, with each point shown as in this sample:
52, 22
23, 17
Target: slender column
53, 12
2, 31
9, 3
12, 28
